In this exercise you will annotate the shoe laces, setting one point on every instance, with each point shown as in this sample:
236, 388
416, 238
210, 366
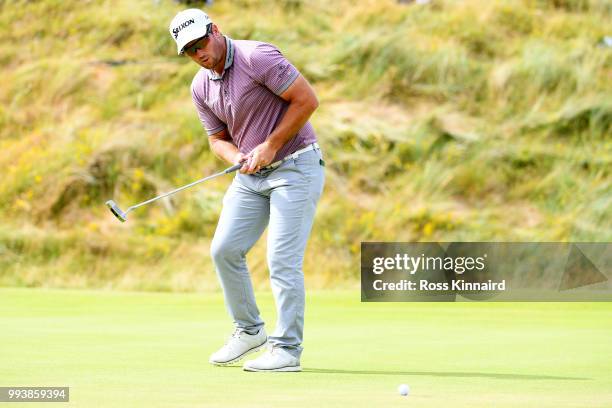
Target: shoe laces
234, 335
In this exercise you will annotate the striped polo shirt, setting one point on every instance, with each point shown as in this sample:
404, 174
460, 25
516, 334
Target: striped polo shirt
245, 99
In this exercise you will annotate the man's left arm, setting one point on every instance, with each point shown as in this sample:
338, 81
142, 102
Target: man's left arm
302, 103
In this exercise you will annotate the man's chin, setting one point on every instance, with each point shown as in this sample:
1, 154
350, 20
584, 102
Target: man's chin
206, 64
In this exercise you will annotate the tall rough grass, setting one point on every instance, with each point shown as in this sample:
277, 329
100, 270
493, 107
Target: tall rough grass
471, 120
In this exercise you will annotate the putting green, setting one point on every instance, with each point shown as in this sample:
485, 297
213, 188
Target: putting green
151, 350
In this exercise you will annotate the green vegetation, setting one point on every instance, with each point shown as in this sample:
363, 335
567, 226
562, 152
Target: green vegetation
472, 120
151, 350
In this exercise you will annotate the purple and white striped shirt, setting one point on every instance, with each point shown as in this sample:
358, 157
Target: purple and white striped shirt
245, 97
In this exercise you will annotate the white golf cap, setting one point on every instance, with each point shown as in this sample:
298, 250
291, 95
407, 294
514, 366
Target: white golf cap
189, 25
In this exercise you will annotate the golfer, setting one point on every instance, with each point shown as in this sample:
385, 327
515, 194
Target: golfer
255, 105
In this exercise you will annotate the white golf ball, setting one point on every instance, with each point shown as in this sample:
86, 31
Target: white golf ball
403, 389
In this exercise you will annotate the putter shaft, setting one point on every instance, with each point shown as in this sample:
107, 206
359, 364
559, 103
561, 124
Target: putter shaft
122, 216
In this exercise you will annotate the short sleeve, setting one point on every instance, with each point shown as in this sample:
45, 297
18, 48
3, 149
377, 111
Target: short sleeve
211, 123
271, 69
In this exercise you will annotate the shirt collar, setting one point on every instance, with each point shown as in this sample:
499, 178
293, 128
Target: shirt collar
229, 60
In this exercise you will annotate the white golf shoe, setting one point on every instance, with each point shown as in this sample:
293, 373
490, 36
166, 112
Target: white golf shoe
274, 359
239, 345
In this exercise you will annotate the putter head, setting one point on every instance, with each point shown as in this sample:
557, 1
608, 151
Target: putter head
116, 210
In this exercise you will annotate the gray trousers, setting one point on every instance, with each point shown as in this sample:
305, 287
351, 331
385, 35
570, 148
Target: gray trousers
284, 199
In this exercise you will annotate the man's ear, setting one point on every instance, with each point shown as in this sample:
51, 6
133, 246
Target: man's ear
215, 29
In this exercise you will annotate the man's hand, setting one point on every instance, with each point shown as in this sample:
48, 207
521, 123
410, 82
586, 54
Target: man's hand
240, 158
259, 157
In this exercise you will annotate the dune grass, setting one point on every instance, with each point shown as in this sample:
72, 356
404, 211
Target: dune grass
470, 120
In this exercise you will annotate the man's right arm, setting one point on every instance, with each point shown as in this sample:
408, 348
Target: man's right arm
218, 138
223, 147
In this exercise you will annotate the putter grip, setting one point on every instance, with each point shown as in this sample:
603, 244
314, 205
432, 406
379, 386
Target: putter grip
234, 168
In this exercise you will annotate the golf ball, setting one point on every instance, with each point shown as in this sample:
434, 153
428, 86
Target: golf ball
403, 389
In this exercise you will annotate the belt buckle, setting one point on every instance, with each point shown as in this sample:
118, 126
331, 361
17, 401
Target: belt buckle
268, 169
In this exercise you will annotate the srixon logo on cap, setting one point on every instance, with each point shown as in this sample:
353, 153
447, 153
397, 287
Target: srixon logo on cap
177, 30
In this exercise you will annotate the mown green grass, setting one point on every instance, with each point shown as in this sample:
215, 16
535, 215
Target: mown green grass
138, 349
471, 120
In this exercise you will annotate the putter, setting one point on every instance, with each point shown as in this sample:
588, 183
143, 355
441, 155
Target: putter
122, 216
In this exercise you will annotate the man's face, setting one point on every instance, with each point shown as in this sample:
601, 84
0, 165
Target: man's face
206, 51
